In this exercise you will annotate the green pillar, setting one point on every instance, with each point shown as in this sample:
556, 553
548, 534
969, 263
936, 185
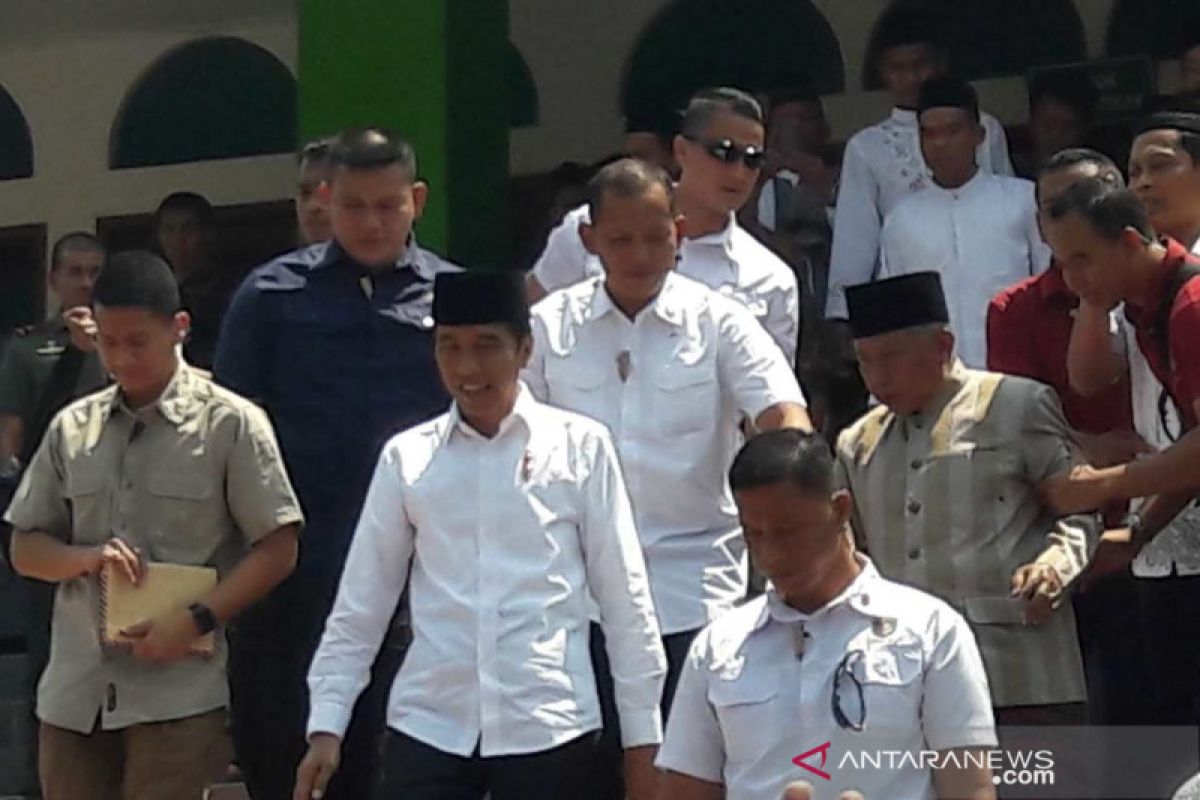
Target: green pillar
433, 70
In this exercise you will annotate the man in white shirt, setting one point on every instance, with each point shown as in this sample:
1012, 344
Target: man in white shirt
977, 229
883, 164
832, 662
720, 154
670, 367
511, 515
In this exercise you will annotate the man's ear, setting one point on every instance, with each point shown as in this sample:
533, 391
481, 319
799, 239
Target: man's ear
420, 193
325, 192
1132, 240
679, 148
182, 325
587, 233
680, 222
843, 505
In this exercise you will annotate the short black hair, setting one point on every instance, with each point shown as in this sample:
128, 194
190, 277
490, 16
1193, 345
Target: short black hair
787, 455
138, 279
1109, 210
372, 148
796, 93
74, 242
186, 202
705, 105
629, 177
315, 152
1106, 169
1073, 90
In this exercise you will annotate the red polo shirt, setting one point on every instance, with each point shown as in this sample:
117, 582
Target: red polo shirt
1181, 372
1028, 330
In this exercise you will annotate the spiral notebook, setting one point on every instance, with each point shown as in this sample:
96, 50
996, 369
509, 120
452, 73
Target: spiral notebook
164, 589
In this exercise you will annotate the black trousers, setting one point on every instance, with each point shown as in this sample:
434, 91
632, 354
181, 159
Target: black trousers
609, 776
1114, 658
271, 649
412, 770
1170, 624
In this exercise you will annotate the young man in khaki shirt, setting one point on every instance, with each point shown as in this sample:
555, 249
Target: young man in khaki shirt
165, 466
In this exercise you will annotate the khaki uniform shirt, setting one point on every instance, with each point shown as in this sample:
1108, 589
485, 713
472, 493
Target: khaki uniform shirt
192, 479
947, 501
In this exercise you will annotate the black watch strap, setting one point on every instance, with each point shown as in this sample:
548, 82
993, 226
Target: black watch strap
206, 621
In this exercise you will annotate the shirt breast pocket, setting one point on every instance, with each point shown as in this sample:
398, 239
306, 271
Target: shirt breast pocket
85, 492
688, 398
576, 386
181, 527
746, 708
890, 676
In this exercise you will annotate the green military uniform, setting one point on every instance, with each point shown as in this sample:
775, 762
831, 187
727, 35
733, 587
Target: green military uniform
28, 364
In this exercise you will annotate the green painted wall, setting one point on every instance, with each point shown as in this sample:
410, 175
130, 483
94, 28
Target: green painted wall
434, 70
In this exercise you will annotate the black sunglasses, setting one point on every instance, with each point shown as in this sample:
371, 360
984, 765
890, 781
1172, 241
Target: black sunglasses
856, 720
727, 152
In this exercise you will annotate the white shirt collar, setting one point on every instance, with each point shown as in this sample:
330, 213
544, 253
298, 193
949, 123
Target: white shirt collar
523, 412
722, 238
977, 180
905, 116
667, 305
857, 595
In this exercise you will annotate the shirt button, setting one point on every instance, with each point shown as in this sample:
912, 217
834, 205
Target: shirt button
427, 322
914, 507
914, 553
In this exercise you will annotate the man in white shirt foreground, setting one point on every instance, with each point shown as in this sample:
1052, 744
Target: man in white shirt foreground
510, 514
720, 154
670, 367
833, 662
977, 229
883, 163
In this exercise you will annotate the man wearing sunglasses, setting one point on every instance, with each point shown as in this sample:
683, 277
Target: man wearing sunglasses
833, 660
720, 152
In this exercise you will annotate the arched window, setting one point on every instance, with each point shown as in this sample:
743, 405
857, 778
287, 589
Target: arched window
751, 44
16, 145
990, 38
208, 99
1160, 29
523, 108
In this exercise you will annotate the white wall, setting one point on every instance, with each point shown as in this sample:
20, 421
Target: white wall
70, 90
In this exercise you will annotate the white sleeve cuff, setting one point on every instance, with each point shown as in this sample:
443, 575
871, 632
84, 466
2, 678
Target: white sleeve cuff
329, 717
640, 727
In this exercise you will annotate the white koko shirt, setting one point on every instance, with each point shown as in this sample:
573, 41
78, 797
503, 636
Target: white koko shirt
883, 164
506, 538
731, 261
982, 237
693, 363
757, 689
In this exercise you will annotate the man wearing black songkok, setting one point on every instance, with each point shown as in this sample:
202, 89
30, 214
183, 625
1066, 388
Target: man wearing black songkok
945, 476
512, 517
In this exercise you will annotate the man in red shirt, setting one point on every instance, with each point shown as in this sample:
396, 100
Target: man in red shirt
1029, 330
1029, 326
1110, 254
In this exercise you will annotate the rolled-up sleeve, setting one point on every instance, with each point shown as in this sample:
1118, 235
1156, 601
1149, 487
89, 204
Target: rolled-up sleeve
617, 577
694, 744
258, 490
751, 365
534, 373
374, 578
783, 317
564, 262
956, 706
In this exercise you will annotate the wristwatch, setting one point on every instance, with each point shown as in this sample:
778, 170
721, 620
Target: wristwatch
1136, 524
202, 615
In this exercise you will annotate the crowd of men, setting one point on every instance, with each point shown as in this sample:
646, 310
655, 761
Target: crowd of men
481, 534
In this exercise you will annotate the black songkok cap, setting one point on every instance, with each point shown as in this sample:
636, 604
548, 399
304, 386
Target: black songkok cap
947, 92
896, 304
1169, 120
480, 298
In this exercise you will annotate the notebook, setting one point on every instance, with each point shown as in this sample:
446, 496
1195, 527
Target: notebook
164, 589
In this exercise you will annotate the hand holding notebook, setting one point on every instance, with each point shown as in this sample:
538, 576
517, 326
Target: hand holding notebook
164, 590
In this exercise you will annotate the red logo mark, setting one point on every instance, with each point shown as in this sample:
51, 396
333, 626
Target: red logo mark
824, 751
